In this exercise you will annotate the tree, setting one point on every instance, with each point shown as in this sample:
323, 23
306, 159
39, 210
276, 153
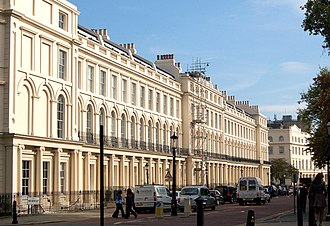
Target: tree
317, 20
281, 169
316, 115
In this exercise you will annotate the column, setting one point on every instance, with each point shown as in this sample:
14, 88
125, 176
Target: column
158, 176
39, 169
121, 171
131, 172
189, 171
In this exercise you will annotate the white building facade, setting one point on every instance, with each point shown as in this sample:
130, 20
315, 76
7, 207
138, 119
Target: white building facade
290, 143
60, 81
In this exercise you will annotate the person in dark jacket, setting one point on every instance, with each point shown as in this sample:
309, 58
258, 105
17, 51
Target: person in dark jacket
130, 203
303, 197
317, 195
119, 205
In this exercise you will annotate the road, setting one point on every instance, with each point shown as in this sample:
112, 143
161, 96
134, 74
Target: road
225, 215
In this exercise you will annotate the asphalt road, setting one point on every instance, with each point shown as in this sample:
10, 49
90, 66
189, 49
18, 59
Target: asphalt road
224, 215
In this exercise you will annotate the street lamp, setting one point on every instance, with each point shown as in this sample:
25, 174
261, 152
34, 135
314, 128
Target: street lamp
147, 170
174, 141
207, 176
328, 171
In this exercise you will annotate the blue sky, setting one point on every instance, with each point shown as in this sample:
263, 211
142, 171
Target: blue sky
256, 49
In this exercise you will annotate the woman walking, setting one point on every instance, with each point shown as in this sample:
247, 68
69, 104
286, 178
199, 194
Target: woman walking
119, 205
317, 195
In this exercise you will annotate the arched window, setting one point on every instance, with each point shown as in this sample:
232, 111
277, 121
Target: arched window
149, 132
113, 124
89, 124
164, 136
270, 139
60, 116
141, 130
281, 138
132, 129
102, 117
123, 126
157, 133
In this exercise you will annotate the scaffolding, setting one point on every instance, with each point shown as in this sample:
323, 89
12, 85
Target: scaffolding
199, 118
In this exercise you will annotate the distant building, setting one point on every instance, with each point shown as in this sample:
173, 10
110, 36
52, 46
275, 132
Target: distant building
287, 140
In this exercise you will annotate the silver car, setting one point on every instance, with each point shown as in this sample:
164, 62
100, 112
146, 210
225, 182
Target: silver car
194, 192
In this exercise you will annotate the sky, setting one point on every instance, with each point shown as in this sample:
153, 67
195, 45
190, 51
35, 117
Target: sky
257, 50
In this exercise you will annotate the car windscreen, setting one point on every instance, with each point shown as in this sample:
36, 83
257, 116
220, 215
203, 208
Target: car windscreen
189, 191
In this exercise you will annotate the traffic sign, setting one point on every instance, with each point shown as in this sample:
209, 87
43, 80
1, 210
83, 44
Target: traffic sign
168, 176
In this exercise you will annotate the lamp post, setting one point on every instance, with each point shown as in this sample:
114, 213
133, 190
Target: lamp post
174, 211
147, 170
328, 170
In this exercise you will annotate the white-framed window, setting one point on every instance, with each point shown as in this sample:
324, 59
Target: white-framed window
60, 116
165, 104
142, 96
62, 64
171, 106
158, 102
281, 150
25, 177
79, 74
113, 124
124, 90
102, 82
132, 129
62, 20
102, 117
45, 177
123, 126
150, 99
62, 177
114, 87
177, 108
89, 124
90, 79
142, 130
133, 94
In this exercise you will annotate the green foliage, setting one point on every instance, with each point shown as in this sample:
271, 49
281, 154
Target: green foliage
316, 115
281, 169
317, 20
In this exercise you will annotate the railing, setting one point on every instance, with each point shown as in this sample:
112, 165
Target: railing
5, 204
115, 142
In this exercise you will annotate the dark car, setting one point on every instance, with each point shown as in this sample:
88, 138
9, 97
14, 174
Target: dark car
228, 193
217, 196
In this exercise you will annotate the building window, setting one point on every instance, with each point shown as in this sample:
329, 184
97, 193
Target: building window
171, 106
149, 132
113, 124
60, 116
123, 126
141, 130
79, 75
157, 102
133, 94
132, 129
178, 109
89, 128
270, 150
62, 177
165, 104
281, 138
25, 177
150, 99
114, 87
102, 117
90, 81
45, 176
142, 96
102, 82
62, 64
62, 20
157, 133
270, 139
124, 90
281, 150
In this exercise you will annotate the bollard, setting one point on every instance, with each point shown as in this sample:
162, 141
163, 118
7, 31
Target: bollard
15, 221
187, 206
299, 210
200, 211
250, 218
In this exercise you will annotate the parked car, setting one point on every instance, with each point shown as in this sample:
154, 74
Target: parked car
218, 197
272, 190
194, 192
228, 193
267, 195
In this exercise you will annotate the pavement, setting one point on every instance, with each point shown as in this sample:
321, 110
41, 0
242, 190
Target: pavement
288, 218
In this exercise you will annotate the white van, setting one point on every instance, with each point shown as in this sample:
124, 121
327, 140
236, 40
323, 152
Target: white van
146, 197
250, 189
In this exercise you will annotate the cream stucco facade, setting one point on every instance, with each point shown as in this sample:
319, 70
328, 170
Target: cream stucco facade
60, 81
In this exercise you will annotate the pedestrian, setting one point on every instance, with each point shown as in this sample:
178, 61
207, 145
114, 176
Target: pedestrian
317, 195
303, 197
130, 203
119, 205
